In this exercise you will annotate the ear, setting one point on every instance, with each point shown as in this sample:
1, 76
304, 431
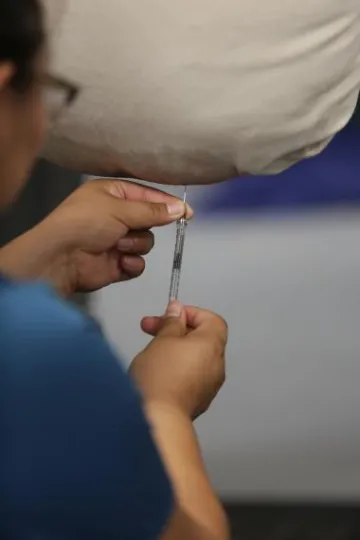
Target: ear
7, 72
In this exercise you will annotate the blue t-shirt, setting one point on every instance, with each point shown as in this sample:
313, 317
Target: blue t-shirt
77, 459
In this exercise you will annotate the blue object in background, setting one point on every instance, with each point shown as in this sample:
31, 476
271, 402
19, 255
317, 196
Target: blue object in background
333, 178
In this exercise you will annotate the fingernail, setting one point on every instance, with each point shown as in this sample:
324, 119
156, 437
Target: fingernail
176, 209
125, 244
174, 309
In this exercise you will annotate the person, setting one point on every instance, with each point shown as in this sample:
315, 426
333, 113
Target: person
87, 451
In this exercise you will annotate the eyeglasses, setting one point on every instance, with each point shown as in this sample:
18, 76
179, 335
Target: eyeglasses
59, 95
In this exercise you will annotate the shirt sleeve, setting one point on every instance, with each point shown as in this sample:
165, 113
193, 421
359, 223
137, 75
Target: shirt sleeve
77, 456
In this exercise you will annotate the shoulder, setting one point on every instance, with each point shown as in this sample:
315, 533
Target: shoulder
41, 334
37, 326
31, 310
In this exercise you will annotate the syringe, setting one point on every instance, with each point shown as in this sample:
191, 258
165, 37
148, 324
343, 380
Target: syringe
178, 255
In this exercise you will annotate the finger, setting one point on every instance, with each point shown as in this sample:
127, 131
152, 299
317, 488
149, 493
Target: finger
131, 267
143, 215
137, 192
151, 325
198, 320
141, 242
172, 324
207, 323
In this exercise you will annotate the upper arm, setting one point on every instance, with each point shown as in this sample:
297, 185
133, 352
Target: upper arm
78, 459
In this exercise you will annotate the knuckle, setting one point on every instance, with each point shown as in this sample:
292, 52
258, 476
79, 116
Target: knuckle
132, 243
222, 323
224, 329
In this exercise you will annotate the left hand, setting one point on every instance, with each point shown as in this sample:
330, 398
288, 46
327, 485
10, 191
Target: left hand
96, 237
184, 366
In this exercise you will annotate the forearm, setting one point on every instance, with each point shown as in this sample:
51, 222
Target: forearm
34, 255
197, 502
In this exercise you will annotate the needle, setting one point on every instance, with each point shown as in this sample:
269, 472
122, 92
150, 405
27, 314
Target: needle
181, 225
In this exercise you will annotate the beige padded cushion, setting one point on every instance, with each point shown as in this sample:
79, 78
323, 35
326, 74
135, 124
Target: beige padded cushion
195, 91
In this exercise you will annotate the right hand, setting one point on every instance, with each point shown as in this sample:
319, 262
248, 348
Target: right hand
184, 365
96, 237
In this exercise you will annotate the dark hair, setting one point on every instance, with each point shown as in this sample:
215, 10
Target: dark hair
22, 36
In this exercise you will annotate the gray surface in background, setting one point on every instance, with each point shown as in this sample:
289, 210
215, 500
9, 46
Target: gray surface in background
287, 424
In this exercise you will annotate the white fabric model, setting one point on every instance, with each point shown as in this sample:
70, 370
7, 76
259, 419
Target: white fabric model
197, 91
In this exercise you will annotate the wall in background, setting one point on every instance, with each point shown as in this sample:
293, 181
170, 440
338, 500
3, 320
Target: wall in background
280, 259
287, 423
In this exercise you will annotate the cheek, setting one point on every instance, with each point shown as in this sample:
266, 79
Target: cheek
21, 142
30, 139
37, 126
33, 115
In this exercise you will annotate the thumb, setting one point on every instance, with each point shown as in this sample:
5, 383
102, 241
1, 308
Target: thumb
174, 321
137, 215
